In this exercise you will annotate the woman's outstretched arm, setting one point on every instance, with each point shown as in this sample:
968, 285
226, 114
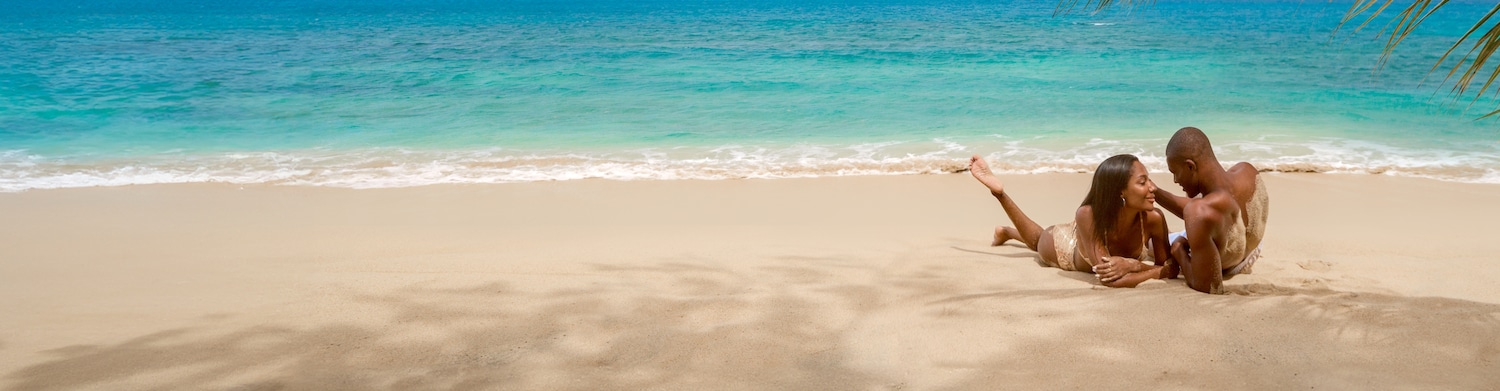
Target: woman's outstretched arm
1130, 280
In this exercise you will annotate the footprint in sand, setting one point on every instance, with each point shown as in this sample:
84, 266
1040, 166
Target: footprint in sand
1315, 265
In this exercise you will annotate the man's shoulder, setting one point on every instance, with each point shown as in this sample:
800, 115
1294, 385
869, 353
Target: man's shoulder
1243, 170
1210, 207
1244, 177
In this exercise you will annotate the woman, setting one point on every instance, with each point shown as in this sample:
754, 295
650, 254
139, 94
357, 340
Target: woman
1112, 233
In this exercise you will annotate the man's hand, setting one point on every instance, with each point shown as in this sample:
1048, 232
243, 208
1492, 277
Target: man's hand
1169, 270
1173, 267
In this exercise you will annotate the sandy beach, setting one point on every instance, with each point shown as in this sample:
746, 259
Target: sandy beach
1366, 282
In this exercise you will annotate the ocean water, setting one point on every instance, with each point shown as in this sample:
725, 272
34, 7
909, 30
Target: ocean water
386, 93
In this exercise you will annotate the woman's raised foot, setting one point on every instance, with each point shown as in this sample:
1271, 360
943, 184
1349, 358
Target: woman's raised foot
981, 171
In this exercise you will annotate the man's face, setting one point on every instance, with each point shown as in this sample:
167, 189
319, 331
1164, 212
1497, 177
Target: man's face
1184, 173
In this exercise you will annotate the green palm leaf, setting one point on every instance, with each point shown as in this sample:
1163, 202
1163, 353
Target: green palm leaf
1472, 63
1067, 6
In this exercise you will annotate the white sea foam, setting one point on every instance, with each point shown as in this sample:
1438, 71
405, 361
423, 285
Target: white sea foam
382, 168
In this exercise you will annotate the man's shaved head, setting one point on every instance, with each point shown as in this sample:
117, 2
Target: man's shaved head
1190, 143
1188, 154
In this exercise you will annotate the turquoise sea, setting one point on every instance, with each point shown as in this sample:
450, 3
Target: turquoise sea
386, 93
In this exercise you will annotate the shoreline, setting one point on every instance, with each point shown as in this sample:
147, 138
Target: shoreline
844, 282
938, 167
386, 167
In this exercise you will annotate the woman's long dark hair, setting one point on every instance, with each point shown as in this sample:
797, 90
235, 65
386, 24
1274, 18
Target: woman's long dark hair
1110, 179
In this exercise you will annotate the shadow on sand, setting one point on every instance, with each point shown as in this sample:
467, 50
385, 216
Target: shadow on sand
490, 336
769, 328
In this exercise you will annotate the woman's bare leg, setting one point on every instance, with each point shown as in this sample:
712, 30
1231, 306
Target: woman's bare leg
1005, 234
1029, 232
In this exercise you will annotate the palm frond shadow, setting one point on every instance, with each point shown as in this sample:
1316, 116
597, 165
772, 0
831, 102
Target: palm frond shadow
696, 331
489, 336
1339, 335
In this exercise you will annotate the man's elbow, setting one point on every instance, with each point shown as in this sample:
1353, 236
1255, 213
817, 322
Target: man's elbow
1209, 287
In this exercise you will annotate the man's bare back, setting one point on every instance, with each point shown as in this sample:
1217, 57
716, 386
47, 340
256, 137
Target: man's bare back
1245, 180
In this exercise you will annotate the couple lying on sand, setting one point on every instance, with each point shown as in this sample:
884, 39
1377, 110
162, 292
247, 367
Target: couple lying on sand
1118, 229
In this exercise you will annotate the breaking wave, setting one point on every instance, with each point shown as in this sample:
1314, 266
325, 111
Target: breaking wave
383, 168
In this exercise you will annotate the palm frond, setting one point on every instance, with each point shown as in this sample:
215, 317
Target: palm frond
1404, 23
1359, 7
1065, 7
1486, 45
1460, 42
1413, 15
1472, 63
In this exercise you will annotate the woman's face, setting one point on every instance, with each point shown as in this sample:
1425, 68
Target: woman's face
1139, 194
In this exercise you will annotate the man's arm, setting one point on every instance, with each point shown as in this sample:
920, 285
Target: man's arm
1171, 202
1204, 271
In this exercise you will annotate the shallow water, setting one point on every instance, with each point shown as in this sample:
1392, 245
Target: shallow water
397, 93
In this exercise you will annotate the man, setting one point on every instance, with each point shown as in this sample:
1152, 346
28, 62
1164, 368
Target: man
1224, 212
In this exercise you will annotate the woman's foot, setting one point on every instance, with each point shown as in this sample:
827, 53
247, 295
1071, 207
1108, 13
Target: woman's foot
981, 171
1001, 236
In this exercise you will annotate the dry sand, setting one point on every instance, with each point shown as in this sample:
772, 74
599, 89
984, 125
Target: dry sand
836, 283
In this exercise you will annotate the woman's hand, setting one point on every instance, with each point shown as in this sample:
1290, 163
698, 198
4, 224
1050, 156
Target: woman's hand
1110, 269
